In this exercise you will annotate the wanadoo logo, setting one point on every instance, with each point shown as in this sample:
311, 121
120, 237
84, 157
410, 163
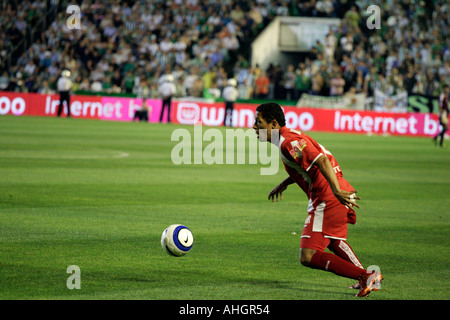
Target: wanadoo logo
17, 106
188, 113
237, 144
191, 113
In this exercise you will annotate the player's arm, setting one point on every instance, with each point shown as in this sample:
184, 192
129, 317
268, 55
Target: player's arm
345, 197
278, 190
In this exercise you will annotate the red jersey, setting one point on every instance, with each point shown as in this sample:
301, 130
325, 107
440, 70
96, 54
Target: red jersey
299, 153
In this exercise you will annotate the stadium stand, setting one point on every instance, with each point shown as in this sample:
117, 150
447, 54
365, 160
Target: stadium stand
124, 47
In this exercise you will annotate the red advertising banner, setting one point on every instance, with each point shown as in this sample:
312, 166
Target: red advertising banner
33, 104
313, 119
212, 114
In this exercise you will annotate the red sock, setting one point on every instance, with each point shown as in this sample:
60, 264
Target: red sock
343, 250
330, 262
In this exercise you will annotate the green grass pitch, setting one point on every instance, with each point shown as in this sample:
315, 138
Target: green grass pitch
98, 195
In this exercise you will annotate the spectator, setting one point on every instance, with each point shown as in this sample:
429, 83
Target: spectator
349, 76
391, 62
409, 81
278, 82
30, 68
289, 82
45, 89
346, 43
262, 85
246, 89
337, 84
14, 35
4, 81
117, 79
128, 82
282, 9
116, 34
302, 81
96, 86
381, 83
17, 82
369, 82
396, 82
324, 8
107, 84
85, 85
142, 112
47, 60
358, 85
197, 88
214, 92
190, 79
330, 47
317, 83
237, 14
208, 79
352, 16
418, 88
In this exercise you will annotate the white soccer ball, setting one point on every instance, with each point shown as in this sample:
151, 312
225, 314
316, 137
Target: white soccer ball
177, 240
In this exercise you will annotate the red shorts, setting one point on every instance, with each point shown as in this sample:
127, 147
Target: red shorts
315, 240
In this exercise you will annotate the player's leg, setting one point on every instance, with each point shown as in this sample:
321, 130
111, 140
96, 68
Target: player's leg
319, 259
313, 255
342, 249
367, 280
306, 256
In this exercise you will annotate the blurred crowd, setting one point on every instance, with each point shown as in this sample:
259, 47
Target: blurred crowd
127, 46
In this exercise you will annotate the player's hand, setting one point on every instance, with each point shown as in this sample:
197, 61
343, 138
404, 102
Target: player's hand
277, 192
347, 198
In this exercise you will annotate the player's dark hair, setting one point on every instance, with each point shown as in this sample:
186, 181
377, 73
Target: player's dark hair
270, 111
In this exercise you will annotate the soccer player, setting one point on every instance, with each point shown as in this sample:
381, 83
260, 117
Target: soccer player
331, 199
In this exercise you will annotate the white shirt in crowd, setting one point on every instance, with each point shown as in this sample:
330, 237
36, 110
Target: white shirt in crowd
64, 84
230, 93
167, 89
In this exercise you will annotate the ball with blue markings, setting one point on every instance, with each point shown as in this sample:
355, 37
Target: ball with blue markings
177, 240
